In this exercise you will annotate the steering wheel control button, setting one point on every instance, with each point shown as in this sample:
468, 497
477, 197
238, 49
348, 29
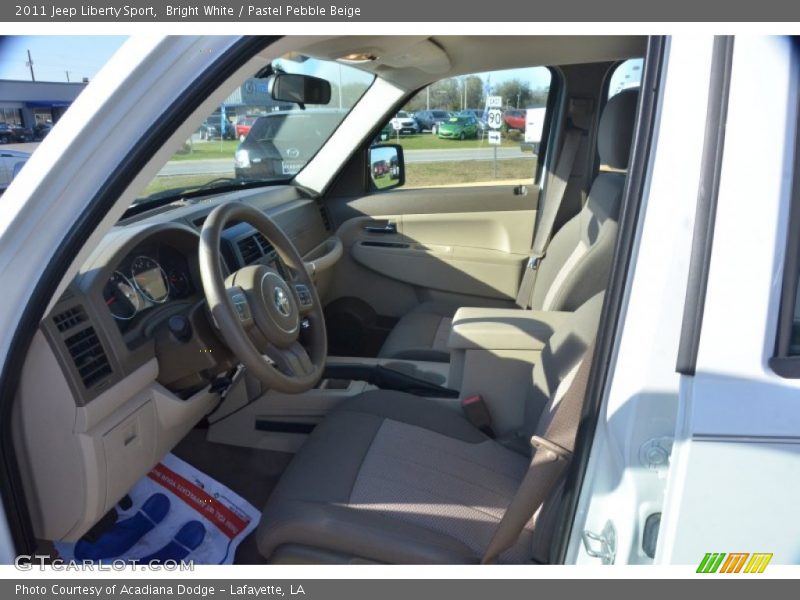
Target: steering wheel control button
241, 306
303, 295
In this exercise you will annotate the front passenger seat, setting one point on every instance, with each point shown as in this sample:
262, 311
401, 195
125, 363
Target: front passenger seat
395, 478
578, 259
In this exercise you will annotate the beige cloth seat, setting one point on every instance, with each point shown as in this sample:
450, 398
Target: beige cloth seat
578, 259
395, 478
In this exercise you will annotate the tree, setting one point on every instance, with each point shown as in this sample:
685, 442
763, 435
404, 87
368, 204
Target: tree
446, 94
515, 92
474, 85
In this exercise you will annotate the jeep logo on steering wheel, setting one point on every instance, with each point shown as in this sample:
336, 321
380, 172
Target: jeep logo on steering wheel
282, 302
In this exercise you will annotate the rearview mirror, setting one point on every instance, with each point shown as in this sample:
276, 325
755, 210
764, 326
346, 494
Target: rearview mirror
301, 89
386, 168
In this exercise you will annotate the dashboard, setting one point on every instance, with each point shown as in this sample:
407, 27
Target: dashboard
128, 359
119, 312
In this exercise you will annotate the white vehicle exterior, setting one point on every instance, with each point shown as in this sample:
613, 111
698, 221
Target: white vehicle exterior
405, 123
534, 124
732, 427
11, 163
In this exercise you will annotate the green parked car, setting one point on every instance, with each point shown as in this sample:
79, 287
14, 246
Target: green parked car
459, 128
386, 133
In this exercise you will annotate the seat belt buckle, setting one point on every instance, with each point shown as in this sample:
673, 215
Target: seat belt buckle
477, 413
545, 445
533, 262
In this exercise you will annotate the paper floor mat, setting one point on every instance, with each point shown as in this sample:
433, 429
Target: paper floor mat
178, 514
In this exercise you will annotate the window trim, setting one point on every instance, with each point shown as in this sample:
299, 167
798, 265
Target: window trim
707, 197
11, 488
641, 155
782, 363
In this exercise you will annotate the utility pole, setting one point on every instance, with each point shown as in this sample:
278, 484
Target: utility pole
67, 72
30, 64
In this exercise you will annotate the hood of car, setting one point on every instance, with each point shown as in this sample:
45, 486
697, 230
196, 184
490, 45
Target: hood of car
451, 126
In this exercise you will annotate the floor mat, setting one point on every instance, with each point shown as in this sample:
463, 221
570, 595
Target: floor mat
178, 513
250, 472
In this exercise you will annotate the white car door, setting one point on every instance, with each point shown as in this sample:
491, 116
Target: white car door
733, 485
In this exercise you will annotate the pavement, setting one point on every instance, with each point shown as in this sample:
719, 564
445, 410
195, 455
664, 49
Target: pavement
224, 166
23, 147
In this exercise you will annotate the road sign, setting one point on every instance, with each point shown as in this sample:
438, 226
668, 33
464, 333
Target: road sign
397, 124
494, 137
495, 118
494, 101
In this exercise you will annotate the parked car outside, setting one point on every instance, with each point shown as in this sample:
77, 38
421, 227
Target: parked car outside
478, 113
380, 168
407, 123
11, 162
515, 119
281, 143
243, 126
210, 129
459, 128
386, 133
429, 120
15, 133
41, 130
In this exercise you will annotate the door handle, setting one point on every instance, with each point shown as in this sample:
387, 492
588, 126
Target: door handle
389, 228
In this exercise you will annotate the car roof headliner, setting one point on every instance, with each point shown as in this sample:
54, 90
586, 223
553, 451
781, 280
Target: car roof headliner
411, 62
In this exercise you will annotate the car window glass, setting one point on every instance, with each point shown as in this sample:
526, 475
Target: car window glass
626, 75
40, 77
453, 140
252, 138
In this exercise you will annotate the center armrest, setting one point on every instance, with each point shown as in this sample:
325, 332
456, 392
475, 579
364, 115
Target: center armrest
503, 328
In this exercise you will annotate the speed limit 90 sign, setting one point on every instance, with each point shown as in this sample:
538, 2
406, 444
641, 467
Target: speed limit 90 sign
494, 118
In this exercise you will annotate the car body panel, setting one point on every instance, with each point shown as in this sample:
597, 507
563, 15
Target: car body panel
11, 163
460, 127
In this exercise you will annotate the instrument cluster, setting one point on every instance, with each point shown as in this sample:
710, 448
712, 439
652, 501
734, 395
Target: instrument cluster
145, 279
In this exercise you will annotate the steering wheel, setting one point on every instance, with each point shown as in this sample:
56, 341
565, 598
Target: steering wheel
258, 312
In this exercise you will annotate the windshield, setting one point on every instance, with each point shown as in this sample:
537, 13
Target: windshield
251, 138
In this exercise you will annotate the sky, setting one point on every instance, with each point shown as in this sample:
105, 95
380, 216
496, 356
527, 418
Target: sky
54, 55
57, 57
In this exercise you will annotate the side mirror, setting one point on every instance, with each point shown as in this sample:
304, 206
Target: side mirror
386, 168
300, 89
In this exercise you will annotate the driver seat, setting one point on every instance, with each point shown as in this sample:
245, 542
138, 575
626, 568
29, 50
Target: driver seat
394, 478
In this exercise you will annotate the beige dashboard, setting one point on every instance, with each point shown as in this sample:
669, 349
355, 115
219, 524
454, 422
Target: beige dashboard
101, 400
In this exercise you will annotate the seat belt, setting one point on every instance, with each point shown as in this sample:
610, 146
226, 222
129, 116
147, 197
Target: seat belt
552, 455
553, 198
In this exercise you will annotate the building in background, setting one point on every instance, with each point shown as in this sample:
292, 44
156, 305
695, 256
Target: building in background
34, 103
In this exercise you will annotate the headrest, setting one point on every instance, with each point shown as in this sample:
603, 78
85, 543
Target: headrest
615, 135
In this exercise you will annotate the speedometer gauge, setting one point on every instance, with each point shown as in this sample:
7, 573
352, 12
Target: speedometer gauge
150, 279
121, 297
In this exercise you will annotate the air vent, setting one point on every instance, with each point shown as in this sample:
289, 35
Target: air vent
266, 247
69, 318
250, 249
89, 357
326, 219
